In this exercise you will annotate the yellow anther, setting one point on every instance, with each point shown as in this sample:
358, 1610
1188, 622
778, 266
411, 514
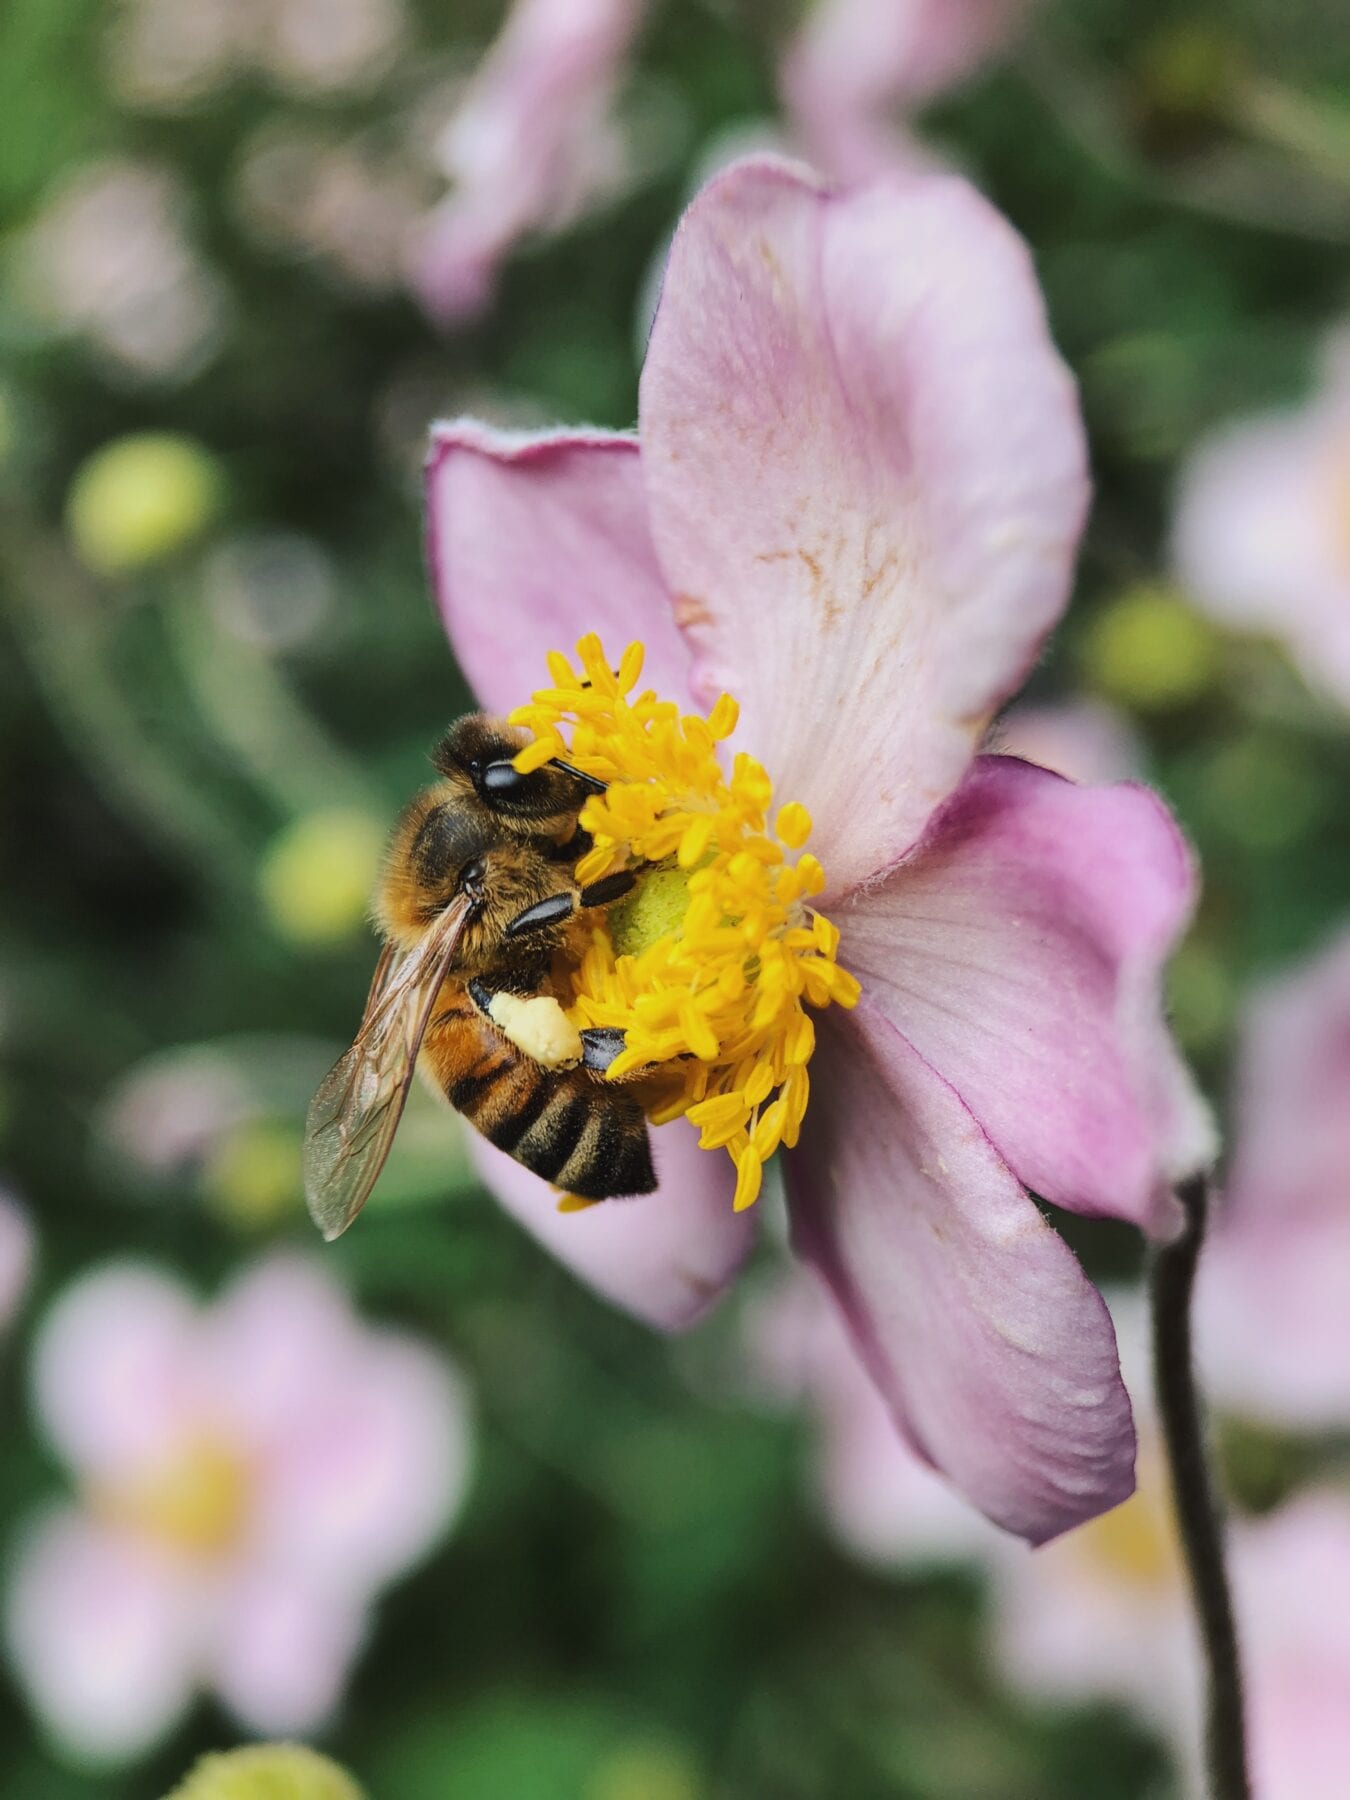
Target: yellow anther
793, 824
541, 751
749, 1175
707, 966
723, 718
825, 933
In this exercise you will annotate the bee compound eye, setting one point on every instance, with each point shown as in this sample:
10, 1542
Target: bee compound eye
500, 778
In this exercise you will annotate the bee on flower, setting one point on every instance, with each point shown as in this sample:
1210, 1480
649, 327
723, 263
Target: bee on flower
851, 508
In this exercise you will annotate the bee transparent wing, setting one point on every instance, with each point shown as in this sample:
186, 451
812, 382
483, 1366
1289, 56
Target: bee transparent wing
353, 1117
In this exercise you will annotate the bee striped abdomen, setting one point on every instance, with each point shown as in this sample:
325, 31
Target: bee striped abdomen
564, 1126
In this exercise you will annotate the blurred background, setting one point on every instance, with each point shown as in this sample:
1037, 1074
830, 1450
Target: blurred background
248, 250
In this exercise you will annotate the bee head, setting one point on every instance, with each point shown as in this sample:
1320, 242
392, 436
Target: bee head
442, 849
476, 754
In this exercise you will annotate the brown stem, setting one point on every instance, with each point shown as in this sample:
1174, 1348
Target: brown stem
1195, 1494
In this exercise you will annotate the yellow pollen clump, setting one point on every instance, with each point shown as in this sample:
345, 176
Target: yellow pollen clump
709, 966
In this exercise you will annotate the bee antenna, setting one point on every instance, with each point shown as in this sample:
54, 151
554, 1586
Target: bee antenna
593, 782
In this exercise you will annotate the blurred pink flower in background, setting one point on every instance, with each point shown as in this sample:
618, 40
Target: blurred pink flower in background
172, 53
17, 1246
858, 68
1292, 1579
1102, 1613
855, 508
1262, 533
531, 145
1085, 740
109, 257
251, 1474
348, 201
1274, 1295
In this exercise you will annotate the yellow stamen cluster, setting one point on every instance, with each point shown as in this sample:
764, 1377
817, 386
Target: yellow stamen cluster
711, 1004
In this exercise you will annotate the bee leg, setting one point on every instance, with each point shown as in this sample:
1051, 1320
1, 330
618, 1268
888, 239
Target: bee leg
609, 887
543, 913
481, 997
561, 906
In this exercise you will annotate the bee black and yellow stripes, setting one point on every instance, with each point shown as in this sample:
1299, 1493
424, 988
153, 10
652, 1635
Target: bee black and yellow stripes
565, 1126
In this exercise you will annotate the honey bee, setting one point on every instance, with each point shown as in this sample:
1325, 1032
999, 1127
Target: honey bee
476, 903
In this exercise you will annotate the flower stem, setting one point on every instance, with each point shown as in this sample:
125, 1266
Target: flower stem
1195, 1494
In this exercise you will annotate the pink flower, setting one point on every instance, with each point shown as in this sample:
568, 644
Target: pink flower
250, 1475
1274, 1296
1262, 535
531, 145
854, 505
1292, 1574
857, 65
1102, 1614
1105, 1614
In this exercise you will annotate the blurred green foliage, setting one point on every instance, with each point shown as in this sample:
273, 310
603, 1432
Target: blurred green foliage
637, 1604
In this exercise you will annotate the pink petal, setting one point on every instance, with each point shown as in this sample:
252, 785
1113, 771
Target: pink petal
114, 1369
275, 1345
665, 1257
368, 1478
1260, 538
1020, 950
284, 1651
1292, 1154
531, 144
866, 474
855, 63
534, 541
104, 1632
1271, 1320
883, 1503
994, 1352
1273, 1295
1292, 1578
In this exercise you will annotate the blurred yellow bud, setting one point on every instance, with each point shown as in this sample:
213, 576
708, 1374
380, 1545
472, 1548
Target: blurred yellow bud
252, 1177
1189, 70
267, 1772
1147, 649
650, 1771
317, 874
139, 499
